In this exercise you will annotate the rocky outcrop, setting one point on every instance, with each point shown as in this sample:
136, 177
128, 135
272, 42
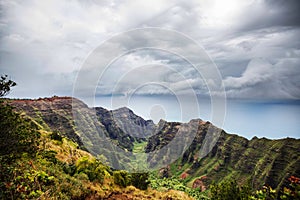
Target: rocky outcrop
259, 160
58, 113
199, 183
123, 125
52, 114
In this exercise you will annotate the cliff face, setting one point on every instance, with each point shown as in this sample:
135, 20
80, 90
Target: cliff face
124, 122
52, 114
260, 161
56, 113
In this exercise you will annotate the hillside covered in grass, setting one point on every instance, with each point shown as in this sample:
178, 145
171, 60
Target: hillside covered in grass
41, 163
43, 156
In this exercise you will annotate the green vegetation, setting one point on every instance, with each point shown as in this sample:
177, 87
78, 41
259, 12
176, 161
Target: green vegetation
121, 178
55, 135
18, 135
42, 157
41, 164
230, 190
93, 168
139, 147
5, 85
263, 161
140, 180
163, 184
27, 170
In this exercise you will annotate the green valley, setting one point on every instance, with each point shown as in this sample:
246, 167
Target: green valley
43, 156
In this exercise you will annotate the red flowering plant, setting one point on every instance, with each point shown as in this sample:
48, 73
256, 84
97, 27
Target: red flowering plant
294, 191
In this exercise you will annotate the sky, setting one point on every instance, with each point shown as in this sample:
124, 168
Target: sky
254, 44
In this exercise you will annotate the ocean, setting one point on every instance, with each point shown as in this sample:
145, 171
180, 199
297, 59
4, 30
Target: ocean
270, 119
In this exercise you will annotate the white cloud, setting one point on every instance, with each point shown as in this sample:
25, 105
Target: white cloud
148, 74
257, 71
42, 41
263, 80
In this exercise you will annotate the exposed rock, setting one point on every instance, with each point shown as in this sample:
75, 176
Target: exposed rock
260, 160
198, 183
184, 175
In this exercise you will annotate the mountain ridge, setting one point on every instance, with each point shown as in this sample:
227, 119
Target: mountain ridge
259, 160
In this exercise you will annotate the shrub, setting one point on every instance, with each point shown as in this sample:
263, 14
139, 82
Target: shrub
55, 135
17, 134
140, 180
49, 155
229, 190
91, 167
121, 178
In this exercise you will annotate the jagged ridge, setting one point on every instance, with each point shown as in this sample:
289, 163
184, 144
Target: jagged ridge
261, 161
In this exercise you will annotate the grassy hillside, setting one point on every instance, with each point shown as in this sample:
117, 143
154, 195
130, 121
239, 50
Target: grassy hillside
43, 156
259, 161
38, 163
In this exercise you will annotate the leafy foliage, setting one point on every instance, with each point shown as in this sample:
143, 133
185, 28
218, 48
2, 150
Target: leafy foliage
56, 136
5, 85
289, 193
230, 190
24, 180
140, 180
17, 134
121, 178
175, 184
92, 168
265, 193
32, 171
294, 190
28, 171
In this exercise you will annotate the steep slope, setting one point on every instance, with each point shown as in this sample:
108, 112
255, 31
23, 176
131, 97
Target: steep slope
57, 113
42, 164
123, 122
260, 161
51, 113
97, 130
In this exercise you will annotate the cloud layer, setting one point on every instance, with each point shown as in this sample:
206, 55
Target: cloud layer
255, 45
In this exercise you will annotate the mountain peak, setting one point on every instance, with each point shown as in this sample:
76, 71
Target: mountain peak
243, 157
123, 110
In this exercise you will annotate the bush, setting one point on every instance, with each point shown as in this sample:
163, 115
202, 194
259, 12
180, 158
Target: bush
50, 155
140, 180
229, 190
19, 137
121, 178
55, 135
17, 134
91, 167
69, 169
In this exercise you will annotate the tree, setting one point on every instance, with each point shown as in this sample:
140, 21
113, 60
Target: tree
5, 85
230, 190
92, 168
140, 180
17, 134
121, 178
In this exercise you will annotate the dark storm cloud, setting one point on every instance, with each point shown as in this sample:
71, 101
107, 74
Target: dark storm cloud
287, 12
270, 13
45, 43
